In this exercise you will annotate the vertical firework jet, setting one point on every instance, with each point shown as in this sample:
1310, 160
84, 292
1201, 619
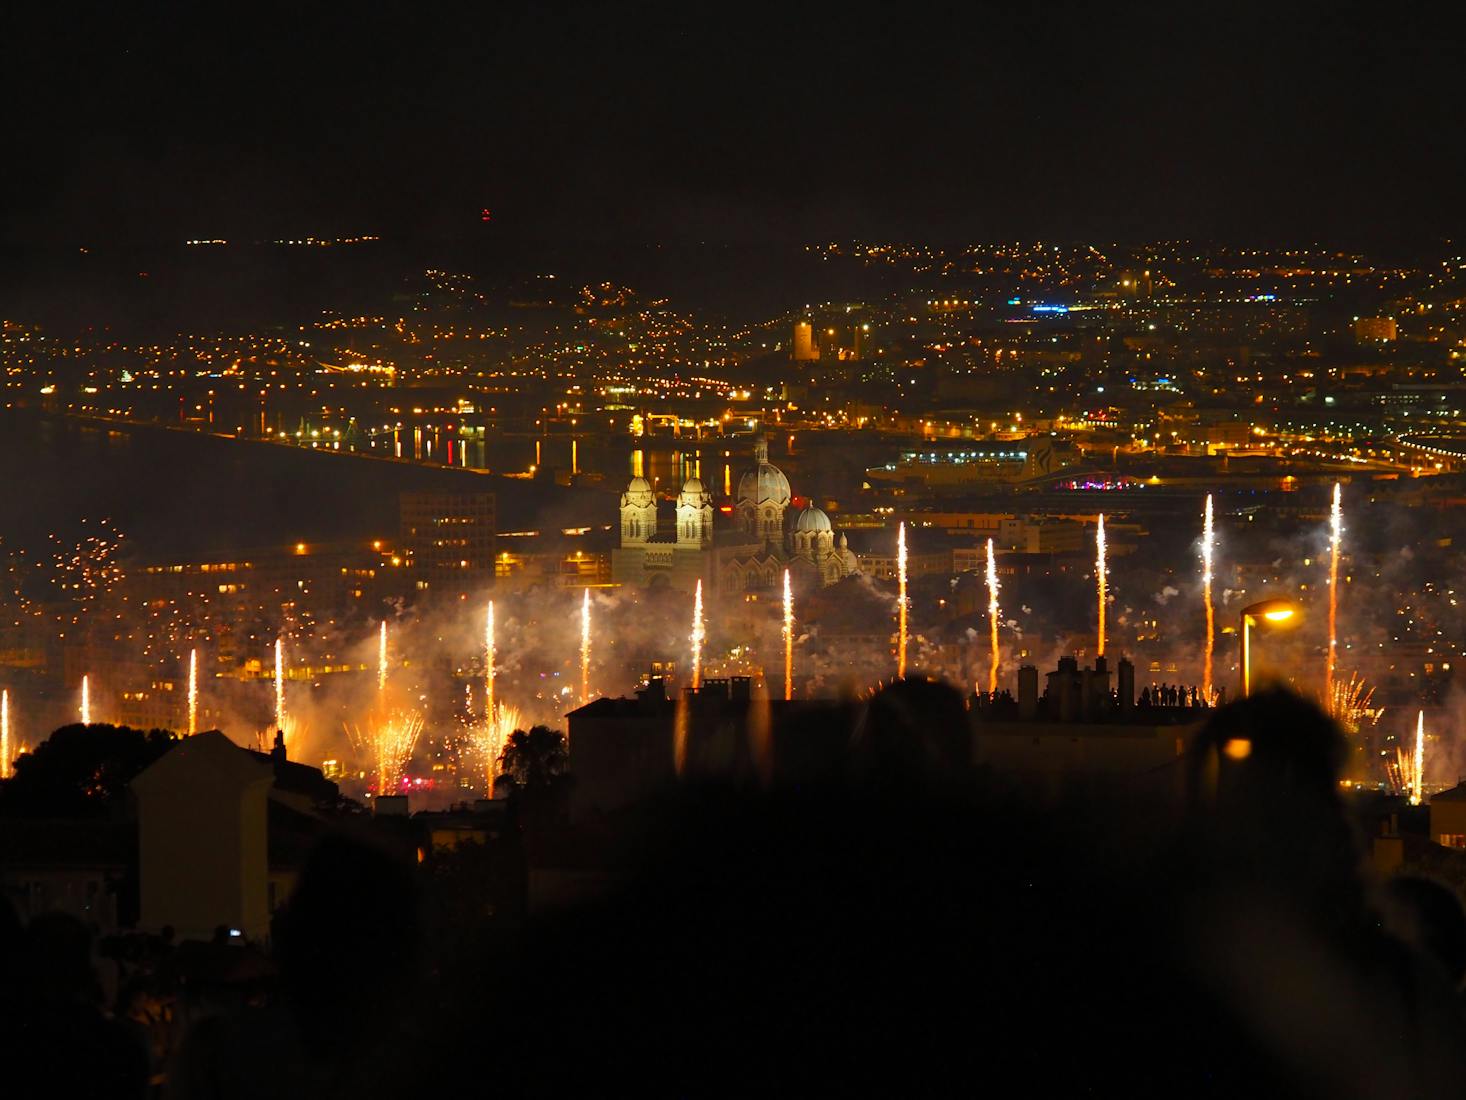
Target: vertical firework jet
1100, 578
901, 601
585, 648
489, 665
788, 638
5, 751
280, 686
193, 692
697, 637
382, 661
993, 617
1336, 534
86, 701
1207, 546
1417, 778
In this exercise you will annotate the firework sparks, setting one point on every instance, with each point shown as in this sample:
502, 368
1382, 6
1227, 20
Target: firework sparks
489, 664
788, 638
490, 737
1208, 547
193, 692
382, 660
992, 579
698, 635
901, 601
5, 753
1350, 704
1417, 778
585, 648
1336, 534
86, 701
388, 745
280, 685
1101, 576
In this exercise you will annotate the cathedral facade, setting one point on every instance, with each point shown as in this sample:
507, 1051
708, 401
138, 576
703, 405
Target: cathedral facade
748, 554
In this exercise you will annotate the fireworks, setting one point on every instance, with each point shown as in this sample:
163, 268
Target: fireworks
698, 635
1349, 704
86, 701
193, 692
901, 601
788, 639
489, 663
1100, 577
1336, 532
491, 736
993, 617
5, 754
1417, 777
1208, 546
389, 744
280, 685
382, 660
585, 648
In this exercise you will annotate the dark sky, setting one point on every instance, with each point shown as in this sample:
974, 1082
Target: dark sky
1260, 123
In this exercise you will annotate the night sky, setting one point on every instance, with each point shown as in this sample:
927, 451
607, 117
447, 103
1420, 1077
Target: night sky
1253, 123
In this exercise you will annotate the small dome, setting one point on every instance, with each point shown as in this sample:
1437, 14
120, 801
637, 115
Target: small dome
638, 487
812, 519
693, 487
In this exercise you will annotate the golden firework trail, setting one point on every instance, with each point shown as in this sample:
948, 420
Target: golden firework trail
993, 617
1208, 546
1350, 704
280, 685
193, 692
788, 638
697, 637
382, 660
1417, 778
1336, 534
489, 664
585, 648
5, 753
491, 737
1100, 577
389, 745
901, 601
86, 701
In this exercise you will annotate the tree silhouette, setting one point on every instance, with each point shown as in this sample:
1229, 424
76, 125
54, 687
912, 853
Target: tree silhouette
80, 770
534, 758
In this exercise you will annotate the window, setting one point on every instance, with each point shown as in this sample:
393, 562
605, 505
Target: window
1453, 840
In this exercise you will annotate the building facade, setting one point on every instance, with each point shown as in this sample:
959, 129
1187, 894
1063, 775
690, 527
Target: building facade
747, 554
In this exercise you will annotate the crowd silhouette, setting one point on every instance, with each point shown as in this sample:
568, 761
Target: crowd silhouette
906, 926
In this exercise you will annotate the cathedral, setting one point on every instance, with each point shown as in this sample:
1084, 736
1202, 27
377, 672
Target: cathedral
749, 554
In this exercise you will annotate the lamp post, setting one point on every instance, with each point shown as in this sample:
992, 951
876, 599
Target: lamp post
1265, 613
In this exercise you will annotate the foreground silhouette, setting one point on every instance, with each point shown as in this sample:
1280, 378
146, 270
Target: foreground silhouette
892, 929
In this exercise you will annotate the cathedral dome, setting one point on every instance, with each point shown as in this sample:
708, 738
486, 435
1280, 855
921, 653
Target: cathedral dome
765, 483
639, 488
692, 487
812, 519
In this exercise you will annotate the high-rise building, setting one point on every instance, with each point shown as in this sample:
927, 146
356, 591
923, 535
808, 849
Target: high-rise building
805, 350
448, 533
1375, 330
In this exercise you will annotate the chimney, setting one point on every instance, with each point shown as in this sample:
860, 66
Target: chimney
277, 753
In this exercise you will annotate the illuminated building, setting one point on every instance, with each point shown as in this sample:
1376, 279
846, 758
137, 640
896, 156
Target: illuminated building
805, 350
1375, 330
749, 554
448, 534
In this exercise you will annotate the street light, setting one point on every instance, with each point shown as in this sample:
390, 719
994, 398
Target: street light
1266, 613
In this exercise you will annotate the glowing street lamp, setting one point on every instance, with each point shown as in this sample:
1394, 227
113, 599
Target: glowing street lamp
1270, 613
